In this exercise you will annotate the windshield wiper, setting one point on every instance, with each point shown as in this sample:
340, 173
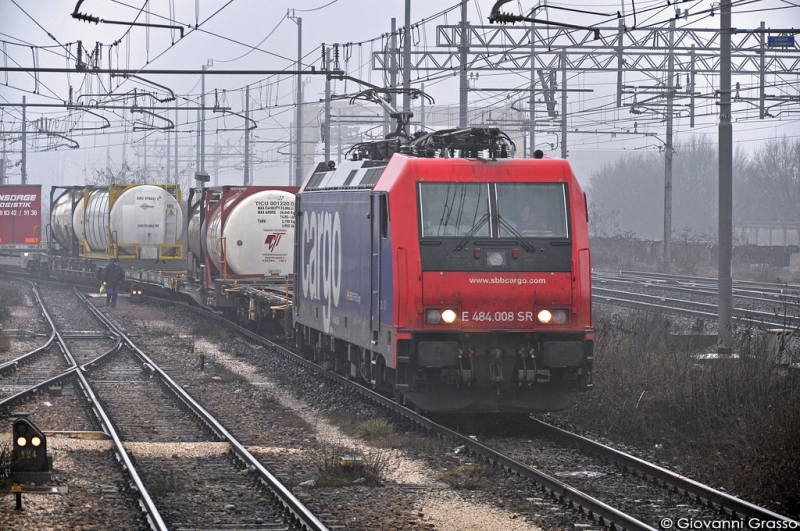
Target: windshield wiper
472, 232
506, 225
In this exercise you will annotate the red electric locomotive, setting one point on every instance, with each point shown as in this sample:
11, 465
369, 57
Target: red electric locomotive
462, 283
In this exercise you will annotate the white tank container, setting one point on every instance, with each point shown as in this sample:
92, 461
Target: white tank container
61, 220
145, 215
91, 221
258, 232
194, 234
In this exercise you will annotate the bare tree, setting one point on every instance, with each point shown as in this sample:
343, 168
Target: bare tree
629, 190
127, 174
771, 182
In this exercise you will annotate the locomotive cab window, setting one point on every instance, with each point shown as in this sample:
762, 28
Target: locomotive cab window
454, 209
494, 210
532, 210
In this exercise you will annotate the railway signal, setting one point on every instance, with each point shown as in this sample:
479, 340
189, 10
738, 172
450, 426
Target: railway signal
29, 449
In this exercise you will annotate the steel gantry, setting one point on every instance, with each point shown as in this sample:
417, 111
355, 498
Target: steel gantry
620, 50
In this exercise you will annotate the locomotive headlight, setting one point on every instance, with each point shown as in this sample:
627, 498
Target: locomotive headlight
36, 441
547, 317
449, 316
22, 441
544, 316
436, 316
496, 259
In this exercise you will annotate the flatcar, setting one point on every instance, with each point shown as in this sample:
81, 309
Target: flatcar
241, 249
447, 273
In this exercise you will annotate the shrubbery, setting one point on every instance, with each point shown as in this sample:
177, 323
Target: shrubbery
733, 422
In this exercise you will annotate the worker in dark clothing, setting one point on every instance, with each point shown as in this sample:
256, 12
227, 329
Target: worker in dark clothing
113, 275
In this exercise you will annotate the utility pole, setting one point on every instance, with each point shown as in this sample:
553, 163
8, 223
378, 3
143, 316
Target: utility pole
463, 91
407, 60
620, 61
422, 110
724, 344
762, 111
24, 167
291, 154
668, 152
532, 99
563, 103
3, 163
216, 161
169, 153
327, 129
299, 114
387, 126
203, 120
197, 151
176, 140
246, 135
339, 134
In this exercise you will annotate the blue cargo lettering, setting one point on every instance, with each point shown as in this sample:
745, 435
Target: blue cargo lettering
322, 264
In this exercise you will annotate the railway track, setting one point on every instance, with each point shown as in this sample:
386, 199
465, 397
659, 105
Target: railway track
757, 292
769, 305
554, 488
592, 508
124, 377
701, 494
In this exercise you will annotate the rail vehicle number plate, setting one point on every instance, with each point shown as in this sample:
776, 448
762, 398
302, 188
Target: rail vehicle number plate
497, 317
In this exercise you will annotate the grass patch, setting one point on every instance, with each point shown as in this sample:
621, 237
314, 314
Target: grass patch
469, 477
374, 429
339, 466
520, 506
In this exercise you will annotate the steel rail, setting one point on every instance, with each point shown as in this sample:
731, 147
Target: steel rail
761, 296
573, 498
689, 308
41, 386
294, 506
770, 295
145, 501
702, 280
702, 493
57, 338
13, 364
